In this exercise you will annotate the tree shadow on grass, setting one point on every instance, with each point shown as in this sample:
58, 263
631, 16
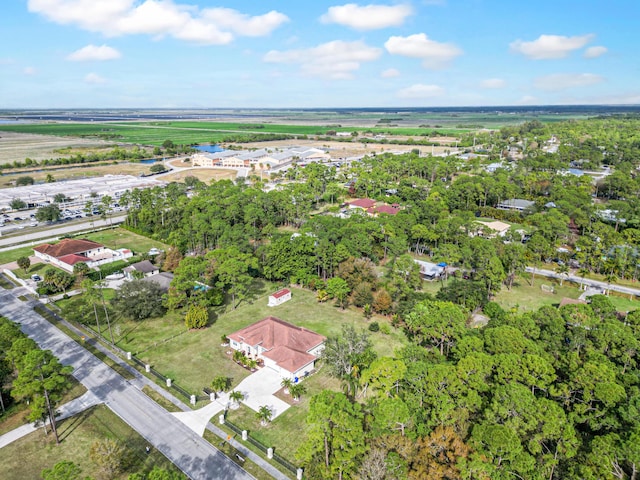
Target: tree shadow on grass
67, 426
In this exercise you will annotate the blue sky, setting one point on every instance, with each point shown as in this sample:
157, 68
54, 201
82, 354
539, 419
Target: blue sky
314, 53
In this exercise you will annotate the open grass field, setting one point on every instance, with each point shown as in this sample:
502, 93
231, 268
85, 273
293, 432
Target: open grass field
122, 238
525, 297
75, 172
28, 456
206, 175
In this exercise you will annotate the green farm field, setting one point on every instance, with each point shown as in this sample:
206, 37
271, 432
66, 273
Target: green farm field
191, 133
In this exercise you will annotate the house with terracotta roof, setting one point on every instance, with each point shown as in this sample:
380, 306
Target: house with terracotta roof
362, 203
70, 251
279, 297
384, 208
289, 350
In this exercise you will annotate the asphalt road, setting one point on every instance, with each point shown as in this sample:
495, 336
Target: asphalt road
196, 457
591, 283
57, 231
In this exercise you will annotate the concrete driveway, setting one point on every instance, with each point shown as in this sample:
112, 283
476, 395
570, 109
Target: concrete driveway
258, 389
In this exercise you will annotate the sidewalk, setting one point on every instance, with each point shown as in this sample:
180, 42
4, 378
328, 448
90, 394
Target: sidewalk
67, 410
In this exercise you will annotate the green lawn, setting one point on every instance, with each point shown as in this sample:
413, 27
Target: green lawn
278, 434
28, 456
7, 256
121, 238
525, 297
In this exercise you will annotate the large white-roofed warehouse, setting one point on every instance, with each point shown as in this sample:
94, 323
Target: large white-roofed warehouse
76, 191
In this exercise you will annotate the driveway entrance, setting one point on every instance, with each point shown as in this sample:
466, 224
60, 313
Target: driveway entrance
258, 389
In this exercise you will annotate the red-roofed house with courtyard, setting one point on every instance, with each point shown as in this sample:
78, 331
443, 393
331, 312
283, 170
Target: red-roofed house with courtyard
71, 251
279, 297
289, 350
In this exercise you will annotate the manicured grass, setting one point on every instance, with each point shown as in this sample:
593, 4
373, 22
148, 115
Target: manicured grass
28, 456
7, 256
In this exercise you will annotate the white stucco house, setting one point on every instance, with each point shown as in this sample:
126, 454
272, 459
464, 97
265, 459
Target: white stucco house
289, 350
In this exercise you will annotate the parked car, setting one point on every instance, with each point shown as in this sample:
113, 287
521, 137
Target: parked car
36, 278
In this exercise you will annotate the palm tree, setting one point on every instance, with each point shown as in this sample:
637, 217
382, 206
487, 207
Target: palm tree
611, 277
252, 364
297, 390
220, 383
264, 414
238, 356
563, 271
286, 383
583, 272
236, 397
91, 296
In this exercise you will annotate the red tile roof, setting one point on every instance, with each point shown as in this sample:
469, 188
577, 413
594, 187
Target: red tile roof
362, 203
289, 359
388, 209
285, 343
72, 259
281, 293
67, 246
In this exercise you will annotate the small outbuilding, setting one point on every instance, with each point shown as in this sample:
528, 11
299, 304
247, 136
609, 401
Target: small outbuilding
279, 297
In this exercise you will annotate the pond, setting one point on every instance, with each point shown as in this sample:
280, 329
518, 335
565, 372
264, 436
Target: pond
209, 148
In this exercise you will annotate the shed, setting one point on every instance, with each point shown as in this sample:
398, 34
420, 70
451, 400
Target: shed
279, 297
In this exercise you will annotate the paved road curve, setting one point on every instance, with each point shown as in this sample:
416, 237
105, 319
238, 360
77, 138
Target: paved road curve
197, 458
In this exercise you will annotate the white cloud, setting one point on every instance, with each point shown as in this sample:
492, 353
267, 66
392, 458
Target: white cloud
94, 79
243, 24
368, 17
562, 81
433, 54
92, 52
420, 90
29, 71
335, 60
158, 18
493, 83
528, 100
595, 52
550, 46
390, 73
